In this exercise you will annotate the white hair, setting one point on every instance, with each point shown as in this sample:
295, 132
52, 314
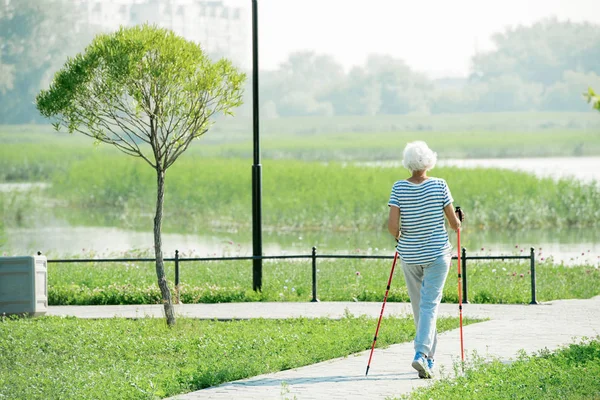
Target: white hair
418, 157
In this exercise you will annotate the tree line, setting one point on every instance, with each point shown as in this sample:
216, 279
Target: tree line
543, 67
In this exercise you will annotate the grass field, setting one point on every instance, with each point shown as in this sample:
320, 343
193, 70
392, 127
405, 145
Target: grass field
476, 122
56, 358
35, 152
570, 373
377, 146
337, 280
342, 138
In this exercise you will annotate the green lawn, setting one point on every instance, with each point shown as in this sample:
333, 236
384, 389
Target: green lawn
68, 358
337, 280
571, 373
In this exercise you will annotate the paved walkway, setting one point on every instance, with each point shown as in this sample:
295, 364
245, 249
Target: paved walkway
510, 328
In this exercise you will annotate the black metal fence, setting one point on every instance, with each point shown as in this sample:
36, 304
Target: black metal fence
314, 256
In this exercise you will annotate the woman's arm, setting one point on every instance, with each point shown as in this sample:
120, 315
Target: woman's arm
394, 222
452, 217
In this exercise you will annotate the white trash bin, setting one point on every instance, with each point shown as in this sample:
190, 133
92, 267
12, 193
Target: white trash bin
24, 285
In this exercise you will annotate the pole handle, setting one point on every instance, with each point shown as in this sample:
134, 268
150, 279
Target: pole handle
459, 211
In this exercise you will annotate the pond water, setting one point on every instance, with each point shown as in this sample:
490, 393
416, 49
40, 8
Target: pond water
21, 187
584, 169
113, 241
566, 246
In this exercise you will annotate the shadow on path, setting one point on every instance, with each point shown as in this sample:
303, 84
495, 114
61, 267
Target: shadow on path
324, 379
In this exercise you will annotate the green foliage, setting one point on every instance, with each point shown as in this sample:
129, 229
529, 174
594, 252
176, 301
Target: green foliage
544, 66
145, 90
593, 99
569, 373
36, 37
143, 359
541, 52
338, 280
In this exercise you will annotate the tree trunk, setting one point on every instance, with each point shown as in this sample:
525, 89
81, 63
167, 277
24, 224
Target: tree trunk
160, 265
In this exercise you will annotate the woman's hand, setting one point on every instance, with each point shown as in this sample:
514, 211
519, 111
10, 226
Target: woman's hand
452, 217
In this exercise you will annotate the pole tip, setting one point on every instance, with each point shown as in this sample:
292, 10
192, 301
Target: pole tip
367, 373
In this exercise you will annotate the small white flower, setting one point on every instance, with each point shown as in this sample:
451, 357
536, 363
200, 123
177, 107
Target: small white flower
494, 270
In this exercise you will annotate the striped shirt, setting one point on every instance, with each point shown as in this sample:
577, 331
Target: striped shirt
423, 232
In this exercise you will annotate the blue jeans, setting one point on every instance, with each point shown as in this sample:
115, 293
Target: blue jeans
425, 283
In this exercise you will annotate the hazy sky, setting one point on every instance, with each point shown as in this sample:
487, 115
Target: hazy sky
433, 36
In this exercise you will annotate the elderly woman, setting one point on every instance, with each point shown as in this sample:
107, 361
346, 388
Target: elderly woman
416, 219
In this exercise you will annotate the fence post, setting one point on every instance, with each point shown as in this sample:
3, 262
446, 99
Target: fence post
314, 275
464, 276
532, 258
176, 276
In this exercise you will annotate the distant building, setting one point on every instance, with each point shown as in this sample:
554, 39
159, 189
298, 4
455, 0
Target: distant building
222, 31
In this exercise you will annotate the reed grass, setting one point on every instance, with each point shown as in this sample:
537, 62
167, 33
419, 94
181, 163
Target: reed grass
208, 194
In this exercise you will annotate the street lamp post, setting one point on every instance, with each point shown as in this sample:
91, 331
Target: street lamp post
256, 167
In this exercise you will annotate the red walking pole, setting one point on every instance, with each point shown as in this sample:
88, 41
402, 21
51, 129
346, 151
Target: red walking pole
462, 351
381, 314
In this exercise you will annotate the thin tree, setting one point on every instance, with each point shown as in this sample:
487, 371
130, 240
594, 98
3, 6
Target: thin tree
149, 93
